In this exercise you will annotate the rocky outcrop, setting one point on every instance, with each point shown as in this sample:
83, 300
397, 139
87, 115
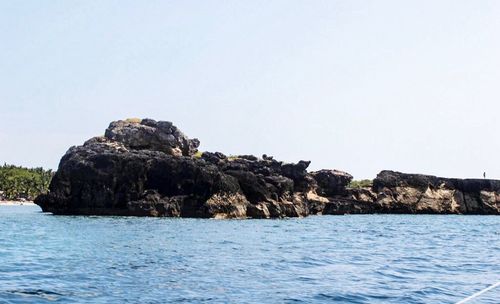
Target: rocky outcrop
400, 193
150, 168
415, 193
331, 182
148, 134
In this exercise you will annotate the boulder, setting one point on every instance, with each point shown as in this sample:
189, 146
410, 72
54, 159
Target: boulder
148, 134
331, 182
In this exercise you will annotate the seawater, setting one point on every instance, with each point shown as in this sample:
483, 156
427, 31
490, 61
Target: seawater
319, 259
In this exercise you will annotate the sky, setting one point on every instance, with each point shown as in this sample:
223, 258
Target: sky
359, 86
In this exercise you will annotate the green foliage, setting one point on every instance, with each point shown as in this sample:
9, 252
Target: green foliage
361, 183
198, 154
18, 182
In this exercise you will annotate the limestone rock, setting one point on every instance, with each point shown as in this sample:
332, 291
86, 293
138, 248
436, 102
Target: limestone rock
416, 193
136, 169
148, 134
150, 168
331, 182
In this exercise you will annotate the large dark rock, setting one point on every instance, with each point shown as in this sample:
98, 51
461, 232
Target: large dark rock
415, 193
400, 193
103, 177
331, 182
150, 168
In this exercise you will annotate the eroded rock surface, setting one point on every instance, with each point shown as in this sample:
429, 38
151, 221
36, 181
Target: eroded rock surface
415, 193
150, 168
148, 134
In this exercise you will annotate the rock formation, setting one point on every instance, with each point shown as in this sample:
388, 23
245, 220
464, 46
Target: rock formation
147, 134
415, 193
150, 168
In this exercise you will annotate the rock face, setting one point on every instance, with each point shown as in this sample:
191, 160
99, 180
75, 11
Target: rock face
415, 193
148, 134
331, 182
150, 168
400, 193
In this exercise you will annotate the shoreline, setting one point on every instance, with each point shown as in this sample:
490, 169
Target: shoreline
17, 203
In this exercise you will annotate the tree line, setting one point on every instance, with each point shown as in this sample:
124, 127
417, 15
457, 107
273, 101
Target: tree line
23, 183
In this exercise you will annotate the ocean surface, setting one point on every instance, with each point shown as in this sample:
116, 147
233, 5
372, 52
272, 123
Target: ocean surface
319, 259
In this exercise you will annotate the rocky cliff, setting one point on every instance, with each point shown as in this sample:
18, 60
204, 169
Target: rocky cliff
415, 193
150, 168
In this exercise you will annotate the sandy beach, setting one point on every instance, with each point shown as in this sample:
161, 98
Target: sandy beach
16, 203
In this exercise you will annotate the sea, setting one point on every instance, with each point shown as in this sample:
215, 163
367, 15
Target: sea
319, 259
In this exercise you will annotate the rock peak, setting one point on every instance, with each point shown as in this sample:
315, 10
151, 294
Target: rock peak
149, 134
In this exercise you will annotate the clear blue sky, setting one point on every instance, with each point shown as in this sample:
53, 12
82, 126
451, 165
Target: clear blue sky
359, 86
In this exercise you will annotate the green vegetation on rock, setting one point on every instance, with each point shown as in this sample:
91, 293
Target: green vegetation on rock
23, 183
133, 120
361, 183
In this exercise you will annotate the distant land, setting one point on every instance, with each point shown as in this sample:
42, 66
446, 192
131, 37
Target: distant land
23, 184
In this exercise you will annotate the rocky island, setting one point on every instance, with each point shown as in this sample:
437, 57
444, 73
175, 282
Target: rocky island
150, 168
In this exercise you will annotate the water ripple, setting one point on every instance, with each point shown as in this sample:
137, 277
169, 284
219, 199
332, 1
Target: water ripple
323, 259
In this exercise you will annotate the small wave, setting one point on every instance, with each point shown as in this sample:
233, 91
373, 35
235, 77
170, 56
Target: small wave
343, 298
36, 293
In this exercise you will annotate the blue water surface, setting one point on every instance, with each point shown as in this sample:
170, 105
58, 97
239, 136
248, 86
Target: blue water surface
319, 259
